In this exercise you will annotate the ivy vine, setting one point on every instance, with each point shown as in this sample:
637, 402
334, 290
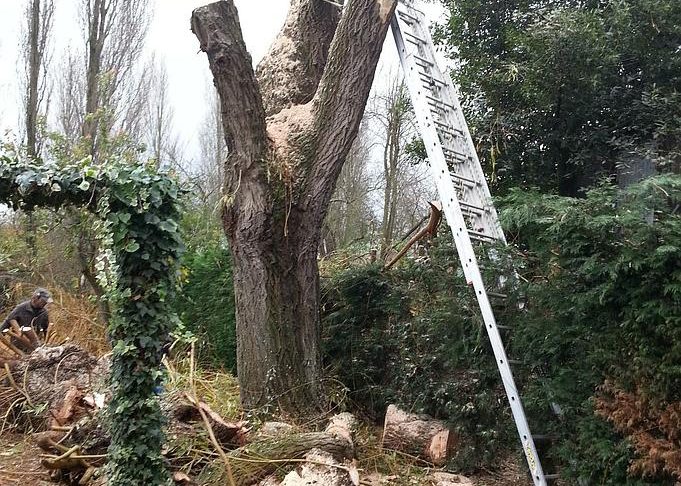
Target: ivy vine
138, 208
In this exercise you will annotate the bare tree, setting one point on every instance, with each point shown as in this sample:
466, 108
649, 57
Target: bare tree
288, 133
158, 120
39, 19
115, 32
213, 149
350, 217
71, 97
391, 111
36, 34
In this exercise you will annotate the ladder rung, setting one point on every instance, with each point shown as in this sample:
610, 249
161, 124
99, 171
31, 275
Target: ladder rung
551, 477
405, 14
469, 213
430, 78
439, 101
415, 37
505, 328
472, 206
447, 132
470, 182
468, 205
446, 127
515, 362
410, 6
424, 60
480, 236
454, 153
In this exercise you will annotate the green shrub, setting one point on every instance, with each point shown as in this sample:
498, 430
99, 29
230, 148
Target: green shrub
603, 289
412, 336
206, 304
605, 303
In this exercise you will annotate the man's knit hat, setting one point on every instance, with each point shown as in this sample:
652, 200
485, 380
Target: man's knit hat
42, 294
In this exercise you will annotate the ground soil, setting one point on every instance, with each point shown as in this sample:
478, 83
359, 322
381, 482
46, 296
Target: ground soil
20, 462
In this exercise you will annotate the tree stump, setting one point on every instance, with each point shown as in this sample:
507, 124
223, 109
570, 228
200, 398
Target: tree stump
419, 435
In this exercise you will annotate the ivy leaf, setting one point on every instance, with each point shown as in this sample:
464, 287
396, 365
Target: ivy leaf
132, 247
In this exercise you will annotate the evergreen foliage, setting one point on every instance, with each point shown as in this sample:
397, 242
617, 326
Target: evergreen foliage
605, 304
206, 304
413, 336
558, 92
138, 208
603, 293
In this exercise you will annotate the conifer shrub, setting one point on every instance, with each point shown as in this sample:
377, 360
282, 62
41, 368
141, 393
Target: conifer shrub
206, 304
604, 288
412, 336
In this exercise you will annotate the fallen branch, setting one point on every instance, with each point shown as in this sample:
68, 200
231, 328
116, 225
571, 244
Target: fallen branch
428, 230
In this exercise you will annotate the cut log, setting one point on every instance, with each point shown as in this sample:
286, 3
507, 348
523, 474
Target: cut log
321, 468
30, 333
273, 452
419, 435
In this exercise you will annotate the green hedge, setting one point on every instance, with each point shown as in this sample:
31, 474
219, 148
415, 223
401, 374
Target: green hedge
603, 291
206, 305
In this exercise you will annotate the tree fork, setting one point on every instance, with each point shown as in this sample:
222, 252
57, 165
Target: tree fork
278, 187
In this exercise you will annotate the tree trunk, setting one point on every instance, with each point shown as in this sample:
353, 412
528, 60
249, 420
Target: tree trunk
34, 64
276, 282
95, 46
280, 174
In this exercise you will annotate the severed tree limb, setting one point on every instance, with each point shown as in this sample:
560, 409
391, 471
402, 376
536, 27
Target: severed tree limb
427, 230
257, 460
338, 105
290, 72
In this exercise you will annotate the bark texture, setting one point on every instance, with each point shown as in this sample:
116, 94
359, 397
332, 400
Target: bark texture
291, 70
280, 174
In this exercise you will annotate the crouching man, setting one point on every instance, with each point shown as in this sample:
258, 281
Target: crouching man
31, 313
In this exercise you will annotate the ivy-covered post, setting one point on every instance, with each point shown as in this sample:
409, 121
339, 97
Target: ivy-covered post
142, 213
139, 209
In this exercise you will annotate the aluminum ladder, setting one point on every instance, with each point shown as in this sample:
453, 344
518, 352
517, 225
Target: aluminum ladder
461, 184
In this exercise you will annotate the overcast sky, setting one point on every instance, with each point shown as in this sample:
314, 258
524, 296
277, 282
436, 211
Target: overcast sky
169, 38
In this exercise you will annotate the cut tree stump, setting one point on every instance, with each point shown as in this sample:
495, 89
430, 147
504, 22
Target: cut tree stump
418, 435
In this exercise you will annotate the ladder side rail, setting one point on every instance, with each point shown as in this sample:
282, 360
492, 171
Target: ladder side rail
465, 250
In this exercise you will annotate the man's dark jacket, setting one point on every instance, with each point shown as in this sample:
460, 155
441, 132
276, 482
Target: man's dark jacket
27, 315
